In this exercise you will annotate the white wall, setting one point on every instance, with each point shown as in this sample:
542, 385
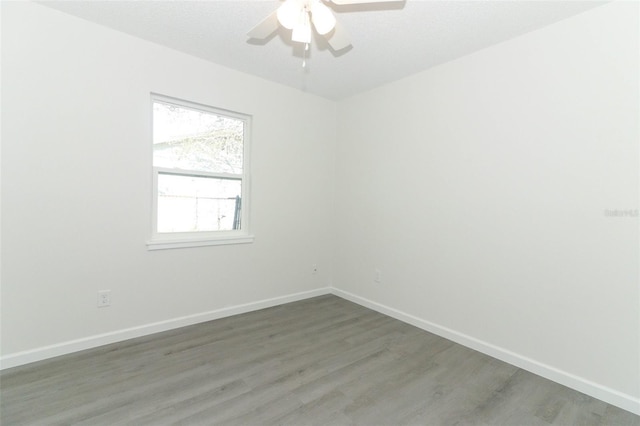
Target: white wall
76, 184
478, 188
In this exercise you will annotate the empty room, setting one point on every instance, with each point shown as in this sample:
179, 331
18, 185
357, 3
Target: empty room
331, 212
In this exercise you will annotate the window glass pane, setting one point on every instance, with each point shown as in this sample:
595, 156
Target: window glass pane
194, 203
191, 139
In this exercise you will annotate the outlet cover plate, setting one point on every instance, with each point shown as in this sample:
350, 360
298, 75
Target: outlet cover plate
104, 298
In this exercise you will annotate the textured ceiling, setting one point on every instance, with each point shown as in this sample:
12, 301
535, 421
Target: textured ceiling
390, 40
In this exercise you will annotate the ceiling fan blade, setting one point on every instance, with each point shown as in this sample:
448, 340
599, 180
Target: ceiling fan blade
265, 28
348, 2
339, 38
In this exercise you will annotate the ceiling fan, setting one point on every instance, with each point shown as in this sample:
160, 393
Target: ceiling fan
298, 15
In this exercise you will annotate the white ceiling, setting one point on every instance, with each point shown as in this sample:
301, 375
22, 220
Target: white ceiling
390, 40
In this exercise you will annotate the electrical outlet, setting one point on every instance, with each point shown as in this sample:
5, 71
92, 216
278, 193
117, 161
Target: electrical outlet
314, 269
104, 298
377, 277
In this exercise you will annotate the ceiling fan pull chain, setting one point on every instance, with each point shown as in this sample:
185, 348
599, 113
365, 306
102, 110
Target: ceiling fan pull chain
304, 55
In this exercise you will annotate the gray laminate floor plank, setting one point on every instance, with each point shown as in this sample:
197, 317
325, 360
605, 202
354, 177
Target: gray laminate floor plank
320, 361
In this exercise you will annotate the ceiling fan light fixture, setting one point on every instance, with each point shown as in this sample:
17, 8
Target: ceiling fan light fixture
289, 14
302, 30
322, 18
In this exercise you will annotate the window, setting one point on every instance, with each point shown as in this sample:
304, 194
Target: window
200, 175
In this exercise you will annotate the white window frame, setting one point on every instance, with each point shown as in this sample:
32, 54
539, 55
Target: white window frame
171, 240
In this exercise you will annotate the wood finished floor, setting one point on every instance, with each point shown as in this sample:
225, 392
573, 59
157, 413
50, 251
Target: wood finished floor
323, 361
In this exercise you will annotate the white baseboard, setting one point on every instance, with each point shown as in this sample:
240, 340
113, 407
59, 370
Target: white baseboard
580, 384
26, 357
611, 396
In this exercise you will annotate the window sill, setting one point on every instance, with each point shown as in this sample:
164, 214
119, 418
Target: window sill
164, 244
